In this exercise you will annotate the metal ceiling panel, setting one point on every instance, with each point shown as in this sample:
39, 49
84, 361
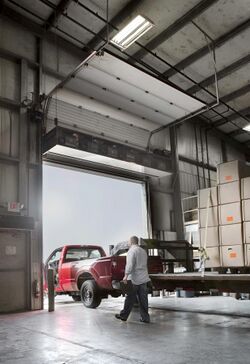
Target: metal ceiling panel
241, 102
100, 6
182, 44
227, 128
78, 13
73, 29
234, 81
229, 83
223, 16
71, 38
238, 103
203, 67
162, 14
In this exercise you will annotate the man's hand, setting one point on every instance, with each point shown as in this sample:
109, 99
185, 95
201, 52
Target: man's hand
125, 279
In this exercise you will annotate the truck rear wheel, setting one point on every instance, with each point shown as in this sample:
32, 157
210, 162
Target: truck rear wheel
89, 294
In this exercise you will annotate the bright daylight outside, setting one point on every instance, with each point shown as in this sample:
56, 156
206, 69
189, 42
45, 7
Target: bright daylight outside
86, 208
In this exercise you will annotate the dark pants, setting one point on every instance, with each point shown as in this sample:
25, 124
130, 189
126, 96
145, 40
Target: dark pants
139, 292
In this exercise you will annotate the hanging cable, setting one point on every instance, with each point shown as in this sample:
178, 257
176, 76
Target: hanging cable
197, 156
107, 24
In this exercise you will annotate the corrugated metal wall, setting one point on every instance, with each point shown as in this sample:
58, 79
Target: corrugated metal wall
9, 132
193, 178
20, 171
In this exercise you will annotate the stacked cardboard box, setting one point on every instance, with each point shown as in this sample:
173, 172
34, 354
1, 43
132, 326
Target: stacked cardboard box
208, 216
230, 213
227, 218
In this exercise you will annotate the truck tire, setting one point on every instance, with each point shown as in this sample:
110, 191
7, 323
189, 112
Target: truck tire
89, 294
76, 298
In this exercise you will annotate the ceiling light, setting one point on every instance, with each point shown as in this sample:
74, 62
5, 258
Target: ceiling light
131, 32
247, 127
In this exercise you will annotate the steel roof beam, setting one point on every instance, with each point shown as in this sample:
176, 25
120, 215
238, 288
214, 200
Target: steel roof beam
232, 95
237, 93
205, 50
221, 135
175, 27
220, 74
38, 30
55, 15
232, 117
239, 131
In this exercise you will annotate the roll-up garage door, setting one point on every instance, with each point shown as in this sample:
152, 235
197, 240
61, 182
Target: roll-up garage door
71, 116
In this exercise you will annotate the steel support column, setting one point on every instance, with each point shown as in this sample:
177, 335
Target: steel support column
35, 186
23, 140
176, 184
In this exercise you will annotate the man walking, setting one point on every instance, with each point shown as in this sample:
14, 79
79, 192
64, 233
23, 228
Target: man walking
136, 270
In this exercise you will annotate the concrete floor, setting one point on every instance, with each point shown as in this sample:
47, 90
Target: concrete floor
74, 334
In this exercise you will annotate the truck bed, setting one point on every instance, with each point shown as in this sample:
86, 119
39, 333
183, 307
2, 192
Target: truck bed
224, 282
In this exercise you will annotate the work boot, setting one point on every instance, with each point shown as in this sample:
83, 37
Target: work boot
119, 317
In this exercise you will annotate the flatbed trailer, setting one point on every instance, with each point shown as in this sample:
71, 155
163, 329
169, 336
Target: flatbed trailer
238, 283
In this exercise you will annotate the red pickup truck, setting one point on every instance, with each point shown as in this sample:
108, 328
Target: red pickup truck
88, 275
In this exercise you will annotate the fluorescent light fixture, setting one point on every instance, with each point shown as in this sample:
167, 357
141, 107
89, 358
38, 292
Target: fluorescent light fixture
131, 32
247, 127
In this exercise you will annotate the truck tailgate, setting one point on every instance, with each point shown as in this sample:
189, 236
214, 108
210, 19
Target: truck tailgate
118, 267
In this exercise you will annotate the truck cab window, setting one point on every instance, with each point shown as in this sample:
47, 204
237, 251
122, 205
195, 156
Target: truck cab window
75, 254
94, 254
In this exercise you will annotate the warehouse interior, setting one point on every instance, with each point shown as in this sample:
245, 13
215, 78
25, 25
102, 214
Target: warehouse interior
167, 107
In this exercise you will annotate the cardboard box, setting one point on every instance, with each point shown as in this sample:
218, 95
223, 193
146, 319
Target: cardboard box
245, 188
230, 213
232, 171
232, 256
212, 217
229, 192
246, 210
212, 237
203, 197
246, 232
214, 258
231, 234
247, 255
